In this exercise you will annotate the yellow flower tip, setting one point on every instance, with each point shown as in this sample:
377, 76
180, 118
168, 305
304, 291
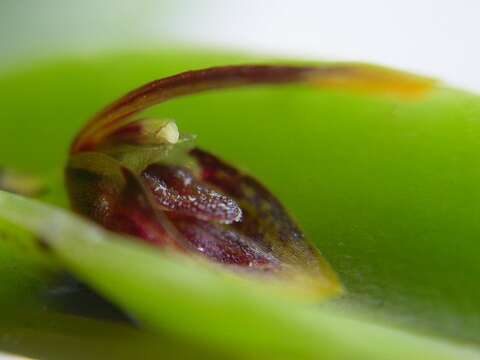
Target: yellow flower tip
312, 288
372, 80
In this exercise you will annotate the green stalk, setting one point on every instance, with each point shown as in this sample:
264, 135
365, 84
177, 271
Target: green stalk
197, 303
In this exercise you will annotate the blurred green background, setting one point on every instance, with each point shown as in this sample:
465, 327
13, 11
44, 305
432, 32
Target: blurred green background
387, 189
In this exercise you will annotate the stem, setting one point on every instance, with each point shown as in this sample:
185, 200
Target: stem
346, 76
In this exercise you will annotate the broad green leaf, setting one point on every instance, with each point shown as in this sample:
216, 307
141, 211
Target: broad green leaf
386, 187
167, 292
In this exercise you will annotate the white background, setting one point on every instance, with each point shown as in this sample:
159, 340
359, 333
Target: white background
439, 38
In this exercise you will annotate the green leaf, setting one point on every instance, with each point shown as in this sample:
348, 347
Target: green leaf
387, 188
196, 302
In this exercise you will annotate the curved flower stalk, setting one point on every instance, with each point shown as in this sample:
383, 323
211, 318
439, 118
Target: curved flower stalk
144, 178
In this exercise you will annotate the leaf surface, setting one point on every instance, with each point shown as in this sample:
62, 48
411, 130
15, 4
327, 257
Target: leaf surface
386, 187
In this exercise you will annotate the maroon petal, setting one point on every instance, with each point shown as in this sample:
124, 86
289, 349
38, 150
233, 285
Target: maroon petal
111, 195
265, 220
224, 244
176, 189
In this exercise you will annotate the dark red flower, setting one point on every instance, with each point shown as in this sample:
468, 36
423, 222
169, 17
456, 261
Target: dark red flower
142, 178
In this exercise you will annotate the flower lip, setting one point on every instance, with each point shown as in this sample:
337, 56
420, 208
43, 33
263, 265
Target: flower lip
176, 189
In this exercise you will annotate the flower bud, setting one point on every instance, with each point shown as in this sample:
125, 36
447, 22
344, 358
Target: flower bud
144, 132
